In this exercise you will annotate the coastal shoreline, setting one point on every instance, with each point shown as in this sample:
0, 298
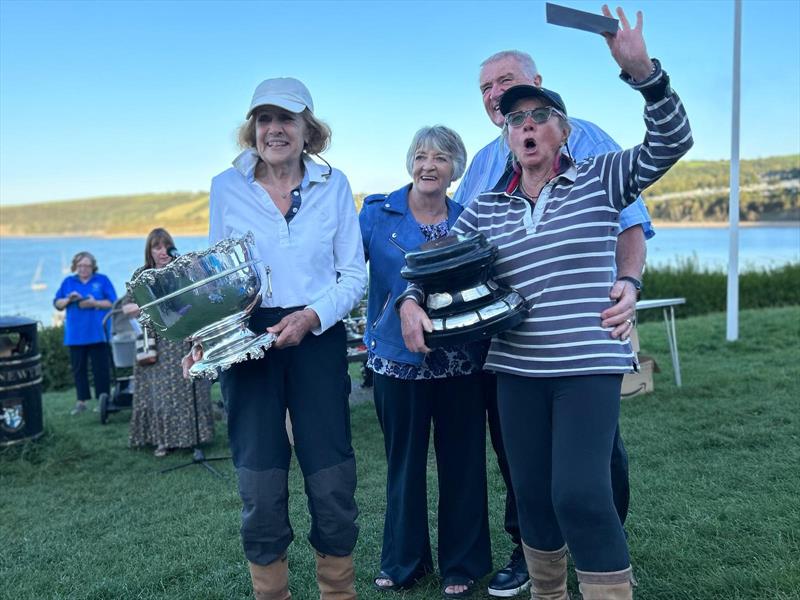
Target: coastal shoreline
722, 224
201, 233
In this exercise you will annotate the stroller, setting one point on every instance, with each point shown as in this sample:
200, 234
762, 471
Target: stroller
123, 333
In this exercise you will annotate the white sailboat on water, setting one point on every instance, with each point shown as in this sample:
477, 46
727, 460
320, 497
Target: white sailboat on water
37, 285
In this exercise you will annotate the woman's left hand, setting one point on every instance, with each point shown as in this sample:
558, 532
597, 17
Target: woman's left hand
621, 315
627, 46
292, 328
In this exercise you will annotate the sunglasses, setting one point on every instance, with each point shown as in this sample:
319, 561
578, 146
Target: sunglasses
539, 115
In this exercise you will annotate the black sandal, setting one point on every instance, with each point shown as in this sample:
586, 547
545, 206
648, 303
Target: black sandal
386, 588
449, 581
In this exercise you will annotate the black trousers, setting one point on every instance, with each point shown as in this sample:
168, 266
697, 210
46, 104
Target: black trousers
405, 411
311, 381
79, 358
558, 433
620, 484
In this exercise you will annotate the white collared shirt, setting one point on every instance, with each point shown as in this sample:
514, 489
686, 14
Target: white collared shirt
317, 259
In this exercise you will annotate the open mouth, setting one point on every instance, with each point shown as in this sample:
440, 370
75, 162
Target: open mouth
276, 144
530, 144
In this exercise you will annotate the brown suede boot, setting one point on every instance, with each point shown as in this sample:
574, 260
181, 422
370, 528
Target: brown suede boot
271, 582
606, 586
548, 571
335, 577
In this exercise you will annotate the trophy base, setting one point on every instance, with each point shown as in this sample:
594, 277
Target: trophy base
228, 342
478, 324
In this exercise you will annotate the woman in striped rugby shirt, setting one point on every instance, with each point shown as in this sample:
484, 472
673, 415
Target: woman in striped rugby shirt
559, 372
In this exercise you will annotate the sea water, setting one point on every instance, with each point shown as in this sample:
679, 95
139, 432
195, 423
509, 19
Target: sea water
31, 269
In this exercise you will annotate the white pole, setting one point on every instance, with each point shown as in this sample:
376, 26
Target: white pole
733, 205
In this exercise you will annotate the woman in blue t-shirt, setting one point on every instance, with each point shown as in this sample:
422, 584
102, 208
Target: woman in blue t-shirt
87, 297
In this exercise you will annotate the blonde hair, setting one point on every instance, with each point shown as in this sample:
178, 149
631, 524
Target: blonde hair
318, 133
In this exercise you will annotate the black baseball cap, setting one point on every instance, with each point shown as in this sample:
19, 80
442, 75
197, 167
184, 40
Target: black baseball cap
518, 92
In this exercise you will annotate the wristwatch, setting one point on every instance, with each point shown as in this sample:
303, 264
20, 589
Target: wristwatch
634, 282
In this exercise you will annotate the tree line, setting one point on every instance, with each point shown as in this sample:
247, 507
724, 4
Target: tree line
691, 191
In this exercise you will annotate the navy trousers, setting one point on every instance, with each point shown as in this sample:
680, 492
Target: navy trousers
405, 412
311, 381
79, 358
558, 434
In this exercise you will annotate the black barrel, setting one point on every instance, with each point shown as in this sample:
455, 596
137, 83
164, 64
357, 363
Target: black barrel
20, 381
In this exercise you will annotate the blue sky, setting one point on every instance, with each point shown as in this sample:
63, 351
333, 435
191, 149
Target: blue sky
104, 98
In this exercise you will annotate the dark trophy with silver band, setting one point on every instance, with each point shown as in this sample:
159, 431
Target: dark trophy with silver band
206, 297
461, 299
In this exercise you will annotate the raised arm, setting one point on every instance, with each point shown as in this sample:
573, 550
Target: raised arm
625, 174
627, 46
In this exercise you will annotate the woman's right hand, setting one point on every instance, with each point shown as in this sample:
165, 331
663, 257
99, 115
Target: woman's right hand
414, 322
195, 355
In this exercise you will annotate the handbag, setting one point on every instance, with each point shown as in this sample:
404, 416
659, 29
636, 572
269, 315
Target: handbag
146, 352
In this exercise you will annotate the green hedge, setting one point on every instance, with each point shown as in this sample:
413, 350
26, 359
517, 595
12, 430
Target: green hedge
705, 292
56, 372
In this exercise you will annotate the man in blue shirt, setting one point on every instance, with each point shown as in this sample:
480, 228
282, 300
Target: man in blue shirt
498, 73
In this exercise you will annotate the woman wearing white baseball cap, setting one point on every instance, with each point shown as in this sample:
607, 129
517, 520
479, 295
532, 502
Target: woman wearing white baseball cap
306, 230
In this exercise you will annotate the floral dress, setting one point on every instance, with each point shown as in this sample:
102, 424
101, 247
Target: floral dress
163, 401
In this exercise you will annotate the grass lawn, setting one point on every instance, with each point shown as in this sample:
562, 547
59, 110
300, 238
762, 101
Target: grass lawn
714, 476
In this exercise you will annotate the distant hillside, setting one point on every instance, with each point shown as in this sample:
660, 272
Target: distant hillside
180, 212
692, 191
698, 191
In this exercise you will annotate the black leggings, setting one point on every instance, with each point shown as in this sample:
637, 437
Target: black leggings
79, 357
558, 434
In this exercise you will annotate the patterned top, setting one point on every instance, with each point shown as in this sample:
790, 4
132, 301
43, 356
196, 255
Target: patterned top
449, 361
560, 254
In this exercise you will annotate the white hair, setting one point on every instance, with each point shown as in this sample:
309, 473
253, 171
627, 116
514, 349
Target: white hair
443, 139
523, 59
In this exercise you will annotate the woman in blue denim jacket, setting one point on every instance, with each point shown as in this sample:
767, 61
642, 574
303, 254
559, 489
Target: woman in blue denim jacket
413, 389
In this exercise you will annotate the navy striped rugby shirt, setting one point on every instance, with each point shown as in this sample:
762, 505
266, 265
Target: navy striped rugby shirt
560, 253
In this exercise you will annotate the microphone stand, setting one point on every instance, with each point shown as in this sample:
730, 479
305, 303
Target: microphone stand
198, 456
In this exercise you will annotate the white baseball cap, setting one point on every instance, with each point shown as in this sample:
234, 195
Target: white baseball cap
286, 92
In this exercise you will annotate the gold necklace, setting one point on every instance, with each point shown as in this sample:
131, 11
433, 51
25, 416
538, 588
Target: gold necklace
273, 186
525, 190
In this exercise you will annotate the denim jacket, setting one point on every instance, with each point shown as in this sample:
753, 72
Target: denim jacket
389, 230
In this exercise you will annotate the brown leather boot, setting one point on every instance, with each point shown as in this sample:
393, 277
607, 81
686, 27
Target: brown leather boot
606, 586
271, 582
548, 571
335, 577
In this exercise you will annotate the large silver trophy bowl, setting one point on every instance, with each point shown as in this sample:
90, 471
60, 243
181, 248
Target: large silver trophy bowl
206, 297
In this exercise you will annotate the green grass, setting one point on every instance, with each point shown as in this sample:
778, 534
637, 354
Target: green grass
714, 512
